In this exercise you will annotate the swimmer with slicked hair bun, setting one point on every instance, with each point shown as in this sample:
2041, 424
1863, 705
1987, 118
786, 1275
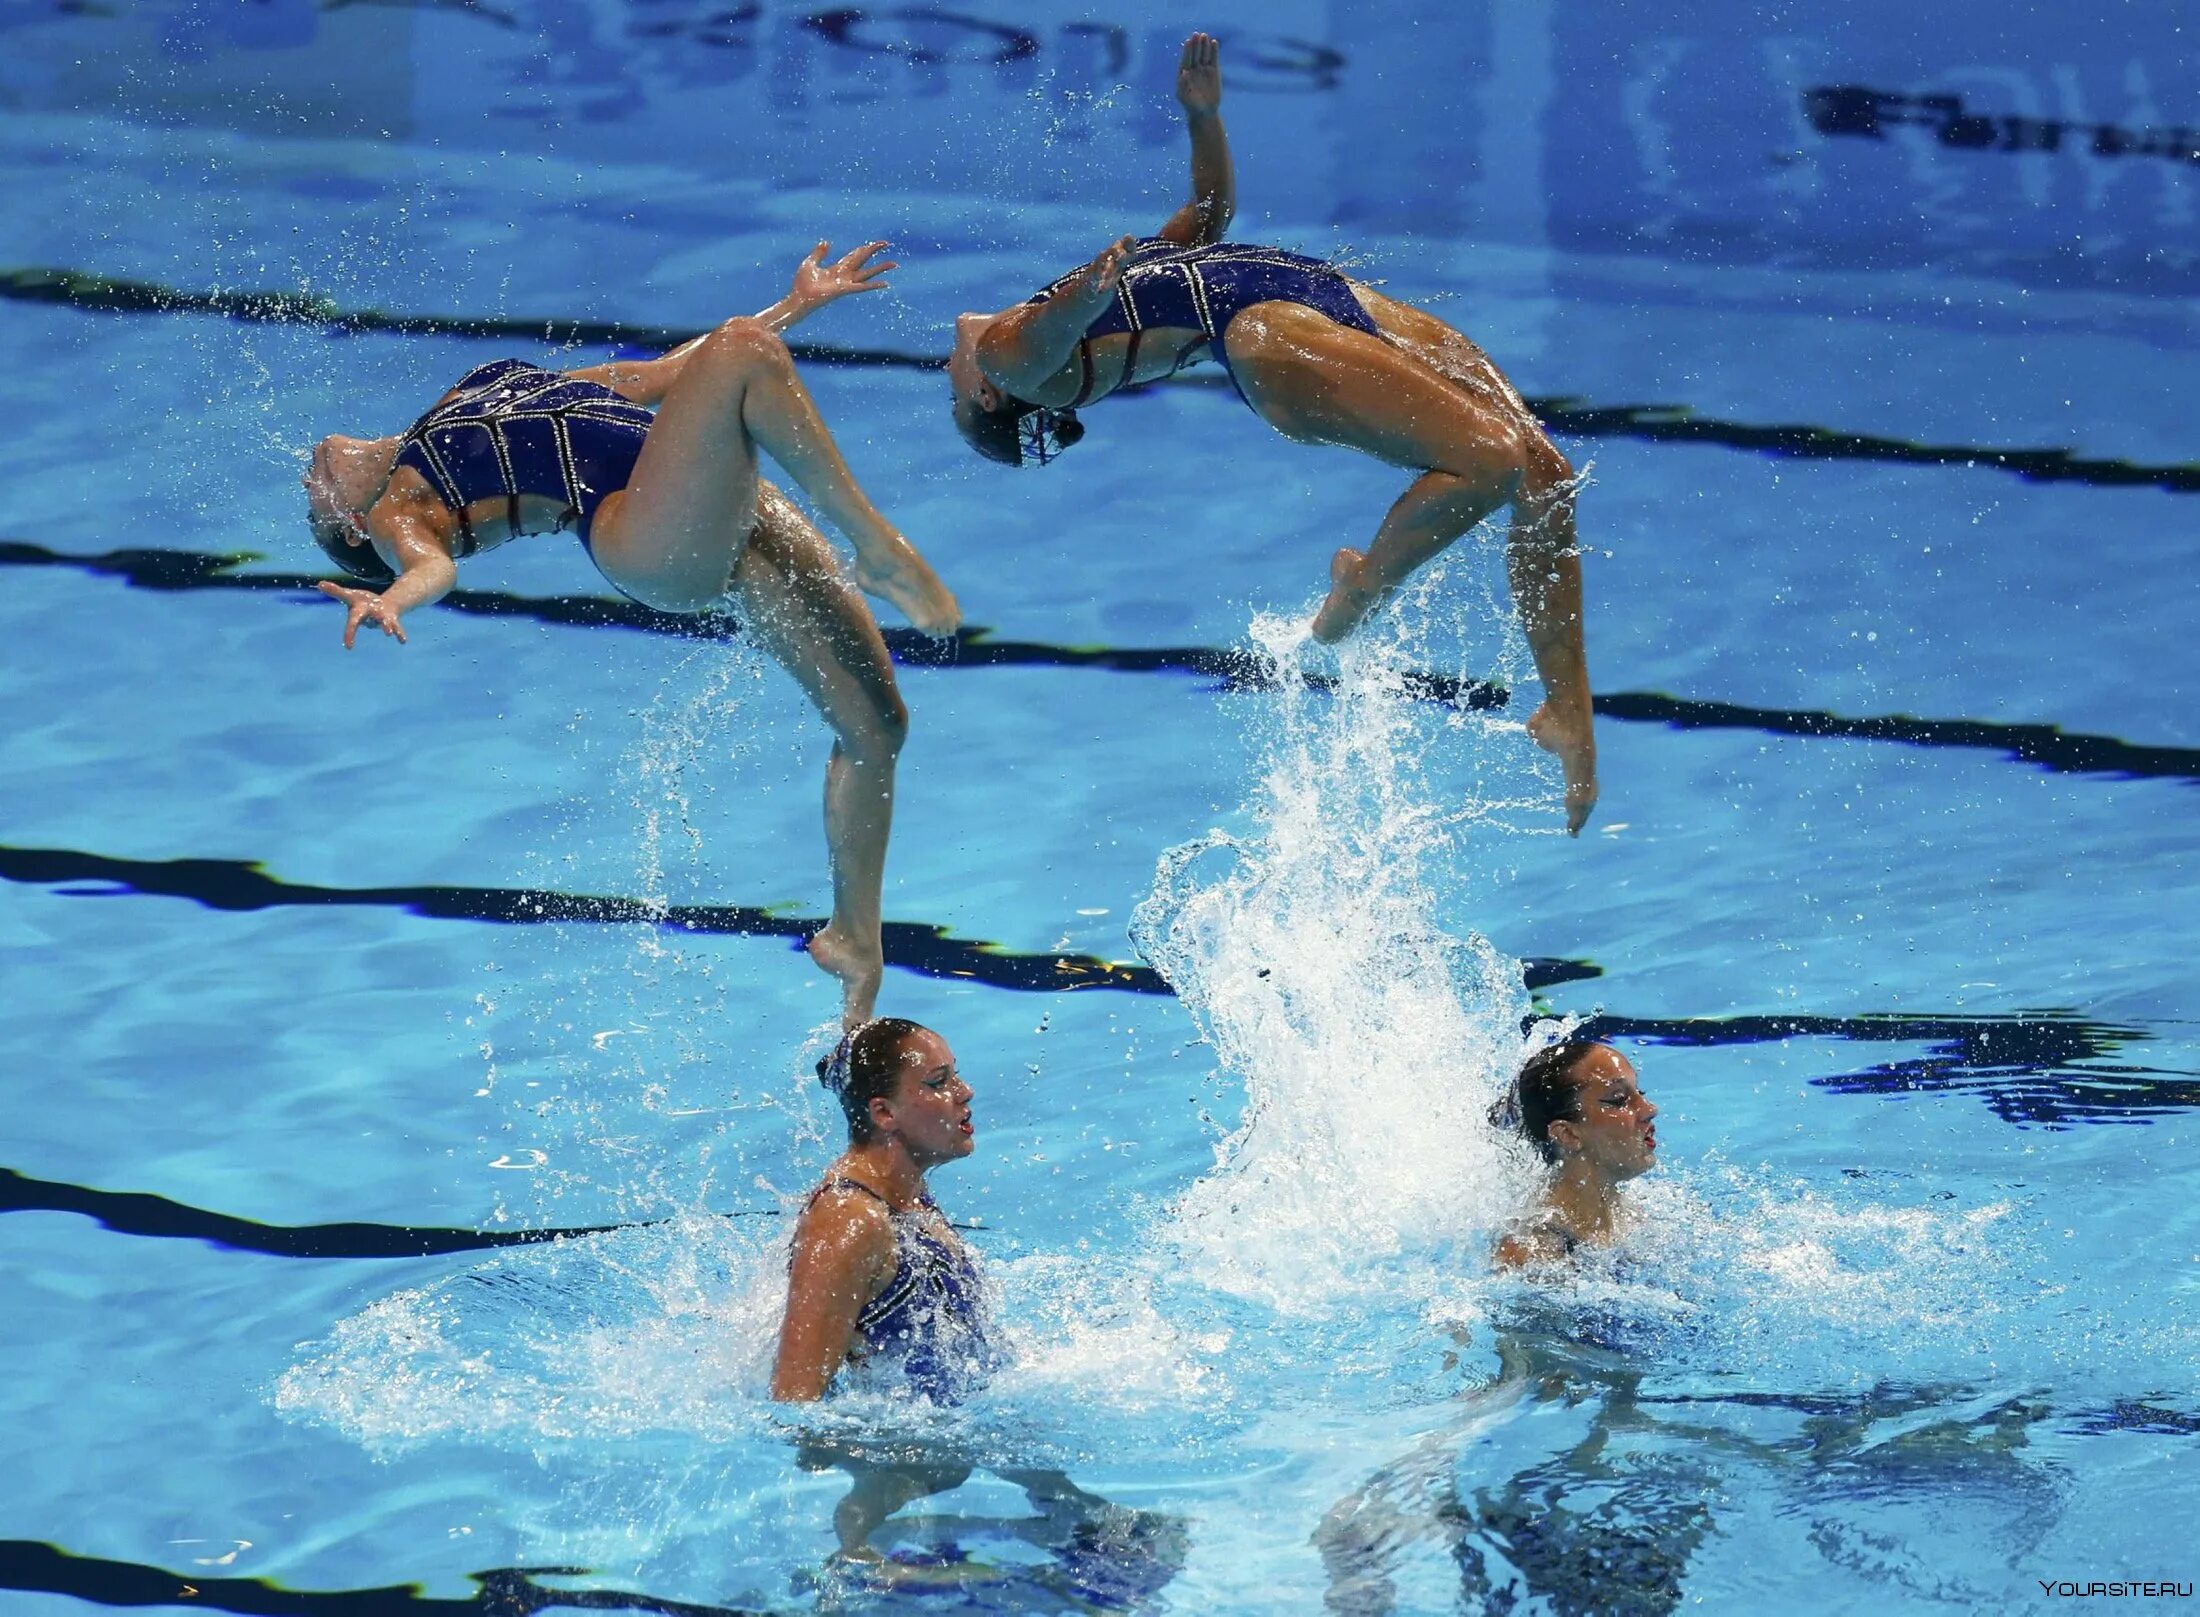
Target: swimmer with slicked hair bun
1578, 1105
878, 1282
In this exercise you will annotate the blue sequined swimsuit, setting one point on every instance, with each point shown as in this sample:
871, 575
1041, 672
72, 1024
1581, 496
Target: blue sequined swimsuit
510, 428
1203, 289
928, 1324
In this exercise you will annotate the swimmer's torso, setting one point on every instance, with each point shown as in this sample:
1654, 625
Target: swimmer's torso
927, 1326
1173, 306
516, 449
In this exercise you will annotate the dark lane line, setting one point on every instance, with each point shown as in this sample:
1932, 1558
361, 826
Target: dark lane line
1650, 423
2059, 751
2045, 746
36, 1568
129, 1212
239, 885
2043, 1069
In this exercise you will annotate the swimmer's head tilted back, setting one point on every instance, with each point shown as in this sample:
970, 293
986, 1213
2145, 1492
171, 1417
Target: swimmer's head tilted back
994, 422
341, 483
360, 561
866, 1066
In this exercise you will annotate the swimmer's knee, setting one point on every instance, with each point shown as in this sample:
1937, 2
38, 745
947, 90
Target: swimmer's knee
745, 344
878, 735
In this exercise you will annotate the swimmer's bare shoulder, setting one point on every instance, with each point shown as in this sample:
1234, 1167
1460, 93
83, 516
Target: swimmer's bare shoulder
1530, 1246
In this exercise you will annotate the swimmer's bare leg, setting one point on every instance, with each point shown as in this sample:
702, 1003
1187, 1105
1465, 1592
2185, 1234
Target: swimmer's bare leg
737, 392
1315, 380
796, 604
1543, 565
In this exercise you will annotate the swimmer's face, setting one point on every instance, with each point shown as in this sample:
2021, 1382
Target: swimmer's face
929, 1109
1616, 1131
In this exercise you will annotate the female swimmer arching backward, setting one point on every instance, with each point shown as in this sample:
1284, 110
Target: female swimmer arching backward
673, 512
1322, 359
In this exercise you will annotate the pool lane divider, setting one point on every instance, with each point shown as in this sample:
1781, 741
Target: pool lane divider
1648, 423
239, 885
156, 1217
2029, 1068
2045, 746
32, 1567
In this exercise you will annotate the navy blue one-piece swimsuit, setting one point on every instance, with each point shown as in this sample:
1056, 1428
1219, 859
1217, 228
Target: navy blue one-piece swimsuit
510, 428
927, 1327
1203, 288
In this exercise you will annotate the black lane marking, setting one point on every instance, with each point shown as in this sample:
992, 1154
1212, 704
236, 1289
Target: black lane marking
1650, 423
136, 1213
104, 294
2059, 751
1856, 109
33, 1567
2043, 1069
2044, 745
2028, 1061
971, 647
241, 885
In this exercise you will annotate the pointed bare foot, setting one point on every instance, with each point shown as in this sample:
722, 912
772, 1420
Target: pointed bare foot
906, 579
858, 968
1349, 601
1570, 737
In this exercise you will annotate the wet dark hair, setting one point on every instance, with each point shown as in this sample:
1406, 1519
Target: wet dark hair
1019, 433
865, 1067
361, 562
1544, 1092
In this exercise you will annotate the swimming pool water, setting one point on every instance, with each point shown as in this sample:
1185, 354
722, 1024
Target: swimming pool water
307, 1017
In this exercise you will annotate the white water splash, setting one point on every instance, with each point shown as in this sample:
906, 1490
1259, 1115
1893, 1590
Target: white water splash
1370, 1039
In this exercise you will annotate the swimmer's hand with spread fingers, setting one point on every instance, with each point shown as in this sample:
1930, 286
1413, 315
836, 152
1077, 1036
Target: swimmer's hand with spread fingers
817, 283
426, 573
364, 606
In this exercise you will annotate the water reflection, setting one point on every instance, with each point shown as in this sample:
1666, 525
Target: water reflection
1074, 1552
1878, 1482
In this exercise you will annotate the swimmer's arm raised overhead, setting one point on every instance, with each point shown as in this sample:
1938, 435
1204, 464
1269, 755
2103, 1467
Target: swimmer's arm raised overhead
425, 574
1025, 347
1206, 217
816, 283
843, 1256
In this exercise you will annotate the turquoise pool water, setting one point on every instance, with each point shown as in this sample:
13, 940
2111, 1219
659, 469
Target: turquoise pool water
332, 977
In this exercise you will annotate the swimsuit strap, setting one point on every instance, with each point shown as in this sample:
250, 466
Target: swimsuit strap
1084, 360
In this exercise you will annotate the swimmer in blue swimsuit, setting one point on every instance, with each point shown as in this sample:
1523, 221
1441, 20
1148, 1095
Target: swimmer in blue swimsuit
880, 1291
1322, 359
653, 463
1578, 1105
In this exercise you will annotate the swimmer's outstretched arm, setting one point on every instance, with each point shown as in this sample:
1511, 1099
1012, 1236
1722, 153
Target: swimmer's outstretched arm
1024, 347
816, 283
425, 574
1214, 187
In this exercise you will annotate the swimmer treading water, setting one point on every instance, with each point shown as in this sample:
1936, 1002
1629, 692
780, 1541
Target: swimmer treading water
673, 512
1578, 1106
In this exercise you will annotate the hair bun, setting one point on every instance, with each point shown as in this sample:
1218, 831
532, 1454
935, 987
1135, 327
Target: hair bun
832, 1072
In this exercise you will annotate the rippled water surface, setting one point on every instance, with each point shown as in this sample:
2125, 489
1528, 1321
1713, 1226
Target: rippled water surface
334, 981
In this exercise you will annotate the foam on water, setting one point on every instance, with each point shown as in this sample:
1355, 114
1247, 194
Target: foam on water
1370, 1040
